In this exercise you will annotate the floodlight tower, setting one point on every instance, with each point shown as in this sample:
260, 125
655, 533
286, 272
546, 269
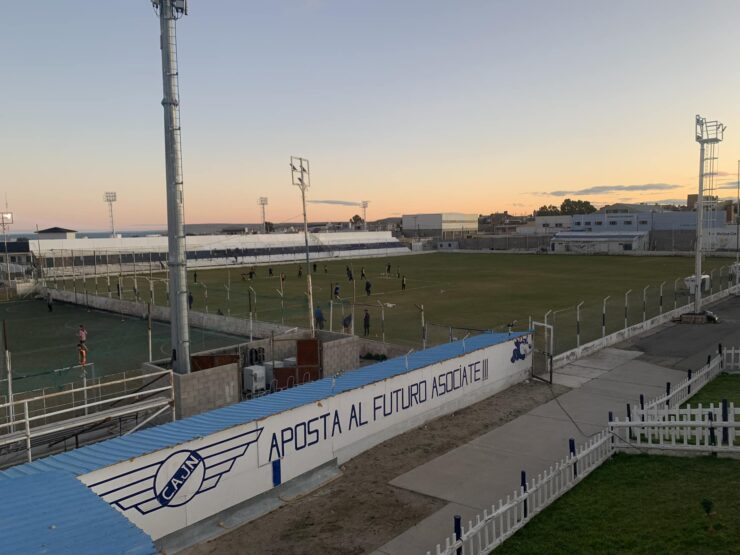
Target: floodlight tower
6, 218
364, 204
263, 204
110, 198
169, 12
706, 133
301, 177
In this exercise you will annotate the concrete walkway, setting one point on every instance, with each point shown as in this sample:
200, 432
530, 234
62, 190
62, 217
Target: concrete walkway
472, 477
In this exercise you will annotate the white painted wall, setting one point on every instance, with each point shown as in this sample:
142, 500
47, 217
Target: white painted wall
302, 439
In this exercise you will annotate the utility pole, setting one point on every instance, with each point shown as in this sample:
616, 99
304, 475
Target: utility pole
706, 133
301, 176
169, 12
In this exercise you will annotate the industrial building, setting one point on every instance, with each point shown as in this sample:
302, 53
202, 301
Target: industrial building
445, 225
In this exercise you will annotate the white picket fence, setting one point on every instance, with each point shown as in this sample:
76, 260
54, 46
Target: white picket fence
660, 424
713, 428
681, 392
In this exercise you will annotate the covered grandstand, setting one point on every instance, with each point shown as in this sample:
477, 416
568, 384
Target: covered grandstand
61, 257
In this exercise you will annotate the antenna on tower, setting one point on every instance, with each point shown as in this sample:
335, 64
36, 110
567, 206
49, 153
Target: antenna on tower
110, 198
263, 203
708, 134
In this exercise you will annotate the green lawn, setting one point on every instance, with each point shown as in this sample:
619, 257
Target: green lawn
484, 291
641, 504
724, 386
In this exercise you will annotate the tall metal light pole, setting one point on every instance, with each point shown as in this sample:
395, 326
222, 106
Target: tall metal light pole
110, 198
6, 218
169, 11
301, 176
263, 203
364, 204
706, 133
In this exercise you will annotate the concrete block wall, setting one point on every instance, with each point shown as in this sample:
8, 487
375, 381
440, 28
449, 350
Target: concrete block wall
340, 355
207, 389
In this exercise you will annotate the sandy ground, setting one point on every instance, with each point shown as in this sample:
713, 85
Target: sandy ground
360, 511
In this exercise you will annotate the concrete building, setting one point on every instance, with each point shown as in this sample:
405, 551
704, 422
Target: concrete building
602, 242
542, 225
445, 225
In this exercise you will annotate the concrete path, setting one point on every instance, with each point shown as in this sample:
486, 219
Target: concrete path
474, 476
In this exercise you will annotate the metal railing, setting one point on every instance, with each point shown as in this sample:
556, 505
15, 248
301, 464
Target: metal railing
50, 414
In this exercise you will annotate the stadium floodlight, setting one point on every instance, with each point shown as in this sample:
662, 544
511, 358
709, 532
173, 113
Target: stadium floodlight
263, 203
707, 133
301, 177
169, 12
110, 197
6, 218
364, 204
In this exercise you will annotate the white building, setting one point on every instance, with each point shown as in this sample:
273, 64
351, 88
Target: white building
602, 242
444, 224
57, 233
543, 225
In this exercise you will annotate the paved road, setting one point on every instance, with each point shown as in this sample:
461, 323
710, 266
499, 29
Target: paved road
474, 476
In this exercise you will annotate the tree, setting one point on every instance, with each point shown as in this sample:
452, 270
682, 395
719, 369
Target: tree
570, 207
356, 221
548, 210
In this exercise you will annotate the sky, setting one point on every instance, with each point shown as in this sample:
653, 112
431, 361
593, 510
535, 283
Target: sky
413, 105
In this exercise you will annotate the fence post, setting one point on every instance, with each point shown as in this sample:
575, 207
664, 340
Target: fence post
725, 418
689, 388
629, 419
712, 437
721, 358
458, 532
667, 394
524, 490
572, 449
642, 407
611, 433
28, 430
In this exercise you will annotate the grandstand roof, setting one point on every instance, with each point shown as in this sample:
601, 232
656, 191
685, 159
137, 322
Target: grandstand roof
106, 453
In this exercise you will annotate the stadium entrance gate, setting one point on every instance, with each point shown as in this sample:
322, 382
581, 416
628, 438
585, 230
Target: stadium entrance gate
542, 351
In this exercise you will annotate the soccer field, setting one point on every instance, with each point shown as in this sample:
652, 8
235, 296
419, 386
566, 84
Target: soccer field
476, 291
41, 342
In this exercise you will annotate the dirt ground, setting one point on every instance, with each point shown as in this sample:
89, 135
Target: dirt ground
360, 511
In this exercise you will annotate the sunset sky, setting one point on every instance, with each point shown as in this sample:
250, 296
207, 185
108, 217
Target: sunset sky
414, 105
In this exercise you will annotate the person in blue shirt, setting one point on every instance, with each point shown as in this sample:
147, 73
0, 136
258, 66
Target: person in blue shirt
319, 315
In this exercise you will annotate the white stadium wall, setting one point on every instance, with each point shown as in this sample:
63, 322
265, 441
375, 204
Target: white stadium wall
168, 490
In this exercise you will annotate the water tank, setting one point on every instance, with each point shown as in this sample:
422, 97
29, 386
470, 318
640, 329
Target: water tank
253, 378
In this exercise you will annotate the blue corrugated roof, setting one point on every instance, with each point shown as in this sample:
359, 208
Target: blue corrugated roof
106, 453
53, 512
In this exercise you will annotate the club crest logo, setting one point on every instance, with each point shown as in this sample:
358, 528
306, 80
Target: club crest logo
521, 349
177, 479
